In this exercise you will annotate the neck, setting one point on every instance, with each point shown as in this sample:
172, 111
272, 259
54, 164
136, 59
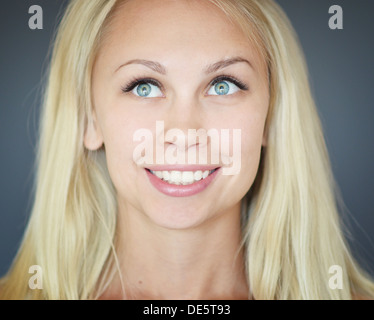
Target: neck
205, 262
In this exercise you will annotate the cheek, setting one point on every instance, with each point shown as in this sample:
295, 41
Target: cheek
118, 131
118, 124
244, 168
251, 125
252, 136
118, 155
252, 140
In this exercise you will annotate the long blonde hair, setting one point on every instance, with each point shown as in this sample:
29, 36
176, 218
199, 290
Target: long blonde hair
291, 228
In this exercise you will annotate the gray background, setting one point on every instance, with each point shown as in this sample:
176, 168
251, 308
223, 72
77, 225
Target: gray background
342, 77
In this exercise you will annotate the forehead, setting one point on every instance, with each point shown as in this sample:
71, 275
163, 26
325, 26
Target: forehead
190, 30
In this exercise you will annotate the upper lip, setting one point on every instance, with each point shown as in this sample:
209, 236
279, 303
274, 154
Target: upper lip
196, 167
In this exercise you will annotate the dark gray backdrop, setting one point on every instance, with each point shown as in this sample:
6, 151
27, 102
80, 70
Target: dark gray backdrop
342, 76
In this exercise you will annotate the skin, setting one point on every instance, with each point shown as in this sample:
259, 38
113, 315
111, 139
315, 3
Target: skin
177, 247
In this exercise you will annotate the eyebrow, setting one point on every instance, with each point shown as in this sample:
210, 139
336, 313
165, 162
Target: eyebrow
155, 66
225, 63
159, 68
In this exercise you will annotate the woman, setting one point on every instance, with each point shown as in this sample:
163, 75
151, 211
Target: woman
113, 219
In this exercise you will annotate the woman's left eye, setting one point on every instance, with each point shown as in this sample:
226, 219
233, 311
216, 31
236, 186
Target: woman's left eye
224, 87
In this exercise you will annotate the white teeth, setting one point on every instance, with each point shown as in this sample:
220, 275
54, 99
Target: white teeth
205, 174
198, 175
165, 175
187, 177
182, 177
175, 177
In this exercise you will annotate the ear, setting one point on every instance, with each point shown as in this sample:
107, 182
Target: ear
93, 138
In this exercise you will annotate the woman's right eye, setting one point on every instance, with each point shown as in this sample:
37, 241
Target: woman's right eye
147, 90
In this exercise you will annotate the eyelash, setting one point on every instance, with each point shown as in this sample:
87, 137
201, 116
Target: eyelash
241, 85
138, 81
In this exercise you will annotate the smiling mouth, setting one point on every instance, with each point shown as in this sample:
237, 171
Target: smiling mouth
182, 177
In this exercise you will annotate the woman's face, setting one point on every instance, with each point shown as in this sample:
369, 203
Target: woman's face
184, 65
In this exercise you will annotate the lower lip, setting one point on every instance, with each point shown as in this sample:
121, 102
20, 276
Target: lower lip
174, 190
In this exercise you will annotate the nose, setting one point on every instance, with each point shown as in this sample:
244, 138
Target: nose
183, 134
183, 117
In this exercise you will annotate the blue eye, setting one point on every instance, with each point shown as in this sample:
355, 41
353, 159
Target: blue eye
147, 90
144, 88
222, 87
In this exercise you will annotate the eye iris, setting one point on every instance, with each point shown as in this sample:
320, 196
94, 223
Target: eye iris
144, 90
222, 88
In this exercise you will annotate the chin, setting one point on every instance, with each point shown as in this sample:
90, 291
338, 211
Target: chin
178, 217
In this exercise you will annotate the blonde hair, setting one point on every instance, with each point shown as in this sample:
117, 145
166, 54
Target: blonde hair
292, 230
